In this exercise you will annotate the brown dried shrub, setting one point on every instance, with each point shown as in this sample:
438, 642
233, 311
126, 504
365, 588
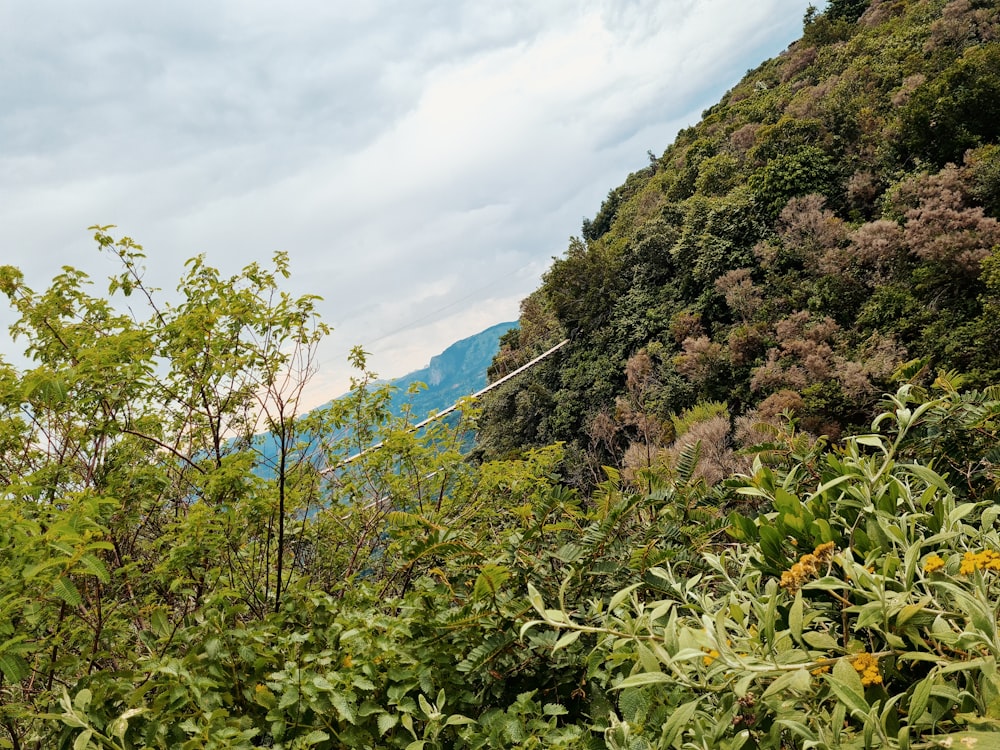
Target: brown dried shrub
745, 343
941, 230
699, 359
910, 84
808, 230
741, 295
716, 457
685, 325
744, 137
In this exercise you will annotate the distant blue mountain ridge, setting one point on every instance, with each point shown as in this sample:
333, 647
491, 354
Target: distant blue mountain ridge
457, 372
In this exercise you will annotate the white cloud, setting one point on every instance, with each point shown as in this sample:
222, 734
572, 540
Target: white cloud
421, 162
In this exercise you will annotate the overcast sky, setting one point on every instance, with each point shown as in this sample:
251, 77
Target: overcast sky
420, 161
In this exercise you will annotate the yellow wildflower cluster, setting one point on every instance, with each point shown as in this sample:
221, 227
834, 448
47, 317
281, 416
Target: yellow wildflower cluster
710, 656
807, 567
985, 560
933, 564
866, 665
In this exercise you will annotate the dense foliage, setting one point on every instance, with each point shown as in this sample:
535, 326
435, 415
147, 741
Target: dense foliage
834, 216
164, 583
738, 574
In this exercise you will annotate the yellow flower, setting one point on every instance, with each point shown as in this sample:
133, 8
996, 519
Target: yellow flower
985, 560
821, 670
824, 552
807, 567
866, 666
933, 564
710, 656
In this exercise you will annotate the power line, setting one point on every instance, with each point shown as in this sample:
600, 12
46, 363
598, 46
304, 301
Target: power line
454, 406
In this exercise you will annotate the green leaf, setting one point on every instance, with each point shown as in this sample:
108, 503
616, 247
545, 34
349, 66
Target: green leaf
95, 566
315, 737
621, 596
644, 678
159, 623
798, 681
82, 741
907, 612
323, 684
820, 641
66, 590
344, 708
14, 667
677, 721
119, 726
566, 640
976, 740
846, 683
386, 722
829, 485
795, 617
289, 698
872, 441
918, 701
81, 701
536, 600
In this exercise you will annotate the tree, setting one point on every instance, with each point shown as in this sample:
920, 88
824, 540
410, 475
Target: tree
134, 480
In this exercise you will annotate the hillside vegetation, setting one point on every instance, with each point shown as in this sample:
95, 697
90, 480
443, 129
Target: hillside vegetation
833, 217
753, 504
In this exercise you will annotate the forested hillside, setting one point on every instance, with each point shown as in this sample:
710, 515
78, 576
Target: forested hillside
753, 504
833, 217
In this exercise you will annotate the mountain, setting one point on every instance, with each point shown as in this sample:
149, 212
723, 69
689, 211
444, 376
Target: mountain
831, 219
457, 372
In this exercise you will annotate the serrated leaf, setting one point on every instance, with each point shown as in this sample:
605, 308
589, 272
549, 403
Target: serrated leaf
14, 667
95, 566
289, 698
66, 590
386, 722
344, 708
315, 737
322, 683
362, 683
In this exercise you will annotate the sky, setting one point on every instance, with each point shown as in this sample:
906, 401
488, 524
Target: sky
421, 162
